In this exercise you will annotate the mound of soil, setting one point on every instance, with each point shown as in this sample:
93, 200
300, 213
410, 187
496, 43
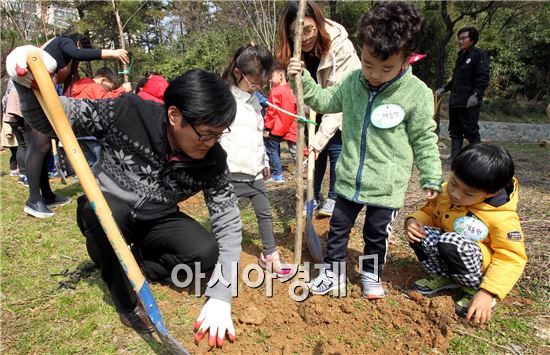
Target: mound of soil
402, 322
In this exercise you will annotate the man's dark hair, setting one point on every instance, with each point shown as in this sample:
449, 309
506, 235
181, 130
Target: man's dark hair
389, 27
108, 74
472, 33
484, 167
202, 98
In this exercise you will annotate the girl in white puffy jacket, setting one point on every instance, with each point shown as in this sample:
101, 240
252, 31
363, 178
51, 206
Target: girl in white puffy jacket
249, 71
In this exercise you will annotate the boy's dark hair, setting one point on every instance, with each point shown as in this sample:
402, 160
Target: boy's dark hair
202, 98
108, 74
278, 67
484, 166
249, 59
389, 27
472, 33
141, 83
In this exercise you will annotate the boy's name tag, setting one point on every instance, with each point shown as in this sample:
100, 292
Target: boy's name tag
387, 116
471, 227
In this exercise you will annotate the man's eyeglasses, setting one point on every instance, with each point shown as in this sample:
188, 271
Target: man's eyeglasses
463, 38
254, 86
209, 136
308, 31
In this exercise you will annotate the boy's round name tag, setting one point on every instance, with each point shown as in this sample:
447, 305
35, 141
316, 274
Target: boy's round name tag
387, 116
471, 227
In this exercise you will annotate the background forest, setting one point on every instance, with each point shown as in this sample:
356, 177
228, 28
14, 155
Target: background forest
171, 37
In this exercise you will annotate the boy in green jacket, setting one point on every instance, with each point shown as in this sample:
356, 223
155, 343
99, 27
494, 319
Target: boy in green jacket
387, 124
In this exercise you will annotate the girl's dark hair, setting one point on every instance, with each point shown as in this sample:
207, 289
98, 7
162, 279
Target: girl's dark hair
484, 167
286, 44
141, 82
389, 27
202, 98
79, 38
472, 33
249, 59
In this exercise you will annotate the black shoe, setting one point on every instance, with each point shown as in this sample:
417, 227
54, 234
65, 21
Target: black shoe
137, 320
38, 210
57, 201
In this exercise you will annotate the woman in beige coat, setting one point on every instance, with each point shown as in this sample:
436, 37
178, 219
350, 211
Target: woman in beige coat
12, 132
328, 55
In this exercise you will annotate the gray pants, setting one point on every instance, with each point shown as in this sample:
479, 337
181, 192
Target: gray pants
256, 192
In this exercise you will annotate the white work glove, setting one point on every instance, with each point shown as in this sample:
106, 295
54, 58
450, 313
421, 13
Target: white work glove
16, 64
472, 101
440, 91
216, 316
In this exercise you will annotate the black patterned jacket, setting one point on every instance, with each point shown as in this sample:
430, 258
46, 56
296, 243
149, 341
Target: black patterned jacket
134, 166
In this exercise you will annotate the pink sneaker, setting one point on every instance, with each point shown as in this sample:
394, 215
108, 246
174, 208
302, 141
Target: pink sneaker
277, 267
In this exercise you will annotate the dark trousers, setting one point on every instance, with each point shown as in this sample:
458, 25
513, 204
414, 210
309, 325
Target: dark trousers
273, 151
376, 230
161, 244
20, 133
36, 165
330, 153
463, 123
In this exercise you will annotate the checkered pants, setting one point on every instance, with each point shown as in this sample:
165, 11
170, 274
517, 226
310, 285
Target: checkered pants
452, 255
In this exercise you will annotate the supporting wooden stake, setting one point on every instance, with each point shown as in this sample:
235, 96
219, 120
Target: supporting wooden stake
299, 93
121, 38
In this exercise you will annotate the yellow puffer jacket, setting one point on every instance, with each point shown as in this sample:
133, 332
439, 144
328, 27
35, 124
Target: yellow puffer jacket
503, 249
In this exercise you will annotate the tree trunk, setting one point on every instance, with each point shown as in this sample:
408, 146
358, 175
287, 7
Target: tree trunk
121, 38
300, 141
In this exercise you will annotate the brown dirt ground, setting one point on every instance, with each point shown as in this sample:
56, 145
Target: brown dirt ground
327, 325
404, 321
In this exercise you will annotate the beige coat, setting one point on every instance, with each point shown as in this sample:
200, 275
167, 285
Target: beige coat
339, 61
12, 114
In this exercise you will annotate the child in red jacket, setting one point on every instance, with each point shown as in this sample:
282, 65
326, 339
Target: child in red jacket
279, 126
151, 87
103, 85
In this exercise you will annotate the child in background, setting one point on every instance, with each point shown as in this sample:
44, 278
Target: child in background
249, 71
152, 87
387, 126
103, 85
278, 125
470, 235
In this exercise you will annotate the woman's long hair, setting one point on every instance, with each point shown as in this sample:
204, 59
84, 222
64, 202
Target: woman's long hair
286, 44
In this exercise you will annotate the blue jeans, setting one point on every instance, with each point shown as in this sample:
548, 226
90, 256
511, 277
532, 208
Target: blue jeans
273, 150
331, 152
91, 149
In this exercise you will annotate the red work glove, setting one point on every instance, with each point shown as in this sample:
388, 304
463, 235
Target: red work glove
310, 150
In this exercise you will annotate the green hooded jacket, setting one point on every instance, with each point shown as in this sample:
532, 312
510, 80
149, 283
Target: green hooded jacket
375, 165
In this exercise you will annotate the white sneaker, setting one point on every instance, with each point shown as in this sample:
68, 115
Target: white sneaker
372, 288
328, 207
328, 281
315, 207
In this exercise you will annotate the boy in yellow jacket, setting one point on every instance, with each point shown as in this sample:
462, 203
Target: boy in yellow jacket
470, 235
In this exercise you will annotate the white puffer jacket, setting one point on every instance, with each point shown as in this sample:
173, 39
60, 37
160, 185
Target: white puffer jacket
246, 155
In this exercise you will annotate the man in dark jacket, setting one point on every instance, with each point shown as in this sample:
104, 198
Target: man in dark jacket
153, 157
469, 81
